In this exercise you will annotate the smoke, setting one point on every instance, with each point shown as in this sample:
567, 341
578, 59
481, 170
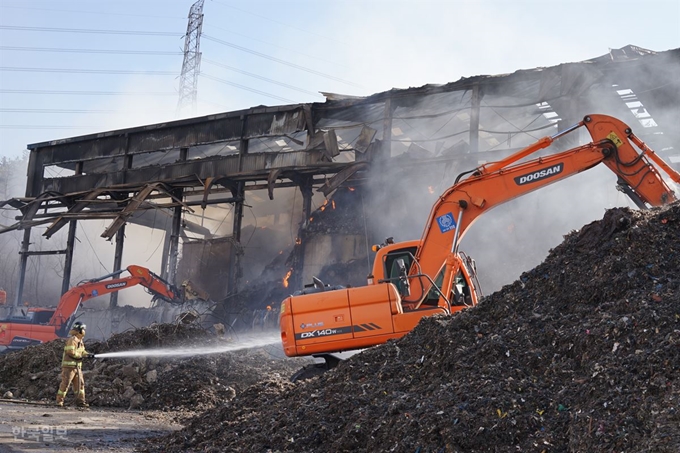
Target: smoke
516, 236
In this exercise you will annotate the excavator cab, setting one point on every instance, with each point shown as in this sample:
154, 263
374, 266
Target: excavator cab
399, 261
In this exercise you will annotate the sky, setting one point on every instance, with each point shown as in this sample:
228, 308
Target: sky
70, 67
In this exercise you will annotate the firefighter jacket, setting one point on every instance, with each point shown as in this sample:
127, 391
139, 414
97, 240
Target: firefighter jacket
73, 351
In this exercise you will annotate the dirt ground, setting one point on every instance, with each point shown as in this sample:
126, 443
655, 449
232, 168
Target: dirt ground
29, 428
132, 398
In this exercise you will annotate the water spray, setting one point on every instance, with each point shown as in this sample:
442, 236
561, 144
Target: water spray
244, 343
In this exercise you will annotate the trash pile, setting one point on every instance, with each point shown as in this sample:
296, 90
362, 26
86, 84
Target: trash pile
582, 353
170, 384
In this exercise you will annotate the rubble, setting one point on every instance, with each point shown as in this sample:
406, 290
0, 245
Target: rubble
179, 384
582, 353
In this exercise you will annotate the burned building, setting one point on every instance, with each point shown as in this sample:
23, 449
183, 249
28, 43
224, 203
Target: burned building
326, 180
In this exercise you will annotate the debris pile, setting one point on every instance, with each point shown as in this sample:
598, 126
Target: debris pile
171, 384
341, 213
582, 353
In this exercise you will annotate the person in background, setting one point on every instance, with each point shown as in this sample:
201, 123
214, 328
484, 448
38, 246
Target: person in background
72, 366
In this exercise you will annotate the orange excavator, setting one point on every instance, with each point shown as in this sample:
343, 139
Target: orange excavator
429, 276
39, 325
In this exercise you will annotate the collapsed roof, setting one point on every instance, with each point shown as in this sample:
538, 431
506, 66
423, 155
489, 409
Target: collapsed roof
117, 173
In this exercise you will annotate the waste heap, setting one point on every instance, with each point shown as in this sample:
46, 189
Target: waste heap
182, 384
582, 353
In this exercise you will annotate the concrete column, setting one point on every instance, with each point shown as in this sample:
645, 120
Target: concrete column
307, 193
171, 241
166, 252
23, 261
174, 238
70, 245
306, 190
68, 259
238, 191
117, 262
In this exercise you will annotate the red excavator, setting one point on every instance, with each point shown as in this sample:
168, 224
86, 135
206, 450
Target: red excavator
38, 325
429, 276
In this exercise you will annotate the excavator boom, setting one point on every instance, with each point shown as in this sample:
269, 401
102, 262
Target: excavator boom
420, 278
71, 300
497, 183
21, 332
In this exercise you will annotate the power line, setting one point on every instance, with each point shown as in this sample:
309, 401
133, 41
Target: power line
34, 126
107, 13
142, 52
221, 106
92, 93
152, 33
85, 30
278, 22
240, 71
245, 88
54, 111
277, 46
278, 60
107, 51
86, 71
19, 110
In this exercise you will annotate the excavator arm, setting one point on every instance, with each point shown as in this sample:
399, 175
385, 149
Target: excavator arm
71, 300
496, 183
34, 328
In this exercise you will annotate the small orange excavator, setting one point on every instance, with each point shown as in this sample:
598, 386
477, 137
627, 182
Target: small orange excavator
429, 276
39, 325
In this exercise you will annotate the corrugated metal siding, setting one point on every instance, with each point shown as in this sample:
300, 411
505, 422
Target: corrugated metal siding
101, 147
275, 123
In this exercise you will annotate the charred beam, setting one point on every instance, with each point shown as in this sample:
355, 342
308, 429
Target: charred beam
44, 252
137, 200
334, 182
77, 207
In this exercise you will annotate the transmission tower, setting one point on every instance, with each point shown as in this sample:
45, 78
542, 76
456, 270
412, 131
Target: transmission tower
191, 66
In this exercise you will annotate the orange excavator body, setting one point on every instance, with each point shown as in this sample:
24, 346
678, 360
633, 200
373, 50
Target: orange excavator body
39, 325
420, 278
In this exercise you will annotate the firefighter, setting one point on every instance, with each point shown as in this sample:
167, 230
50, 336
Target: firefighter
71, 366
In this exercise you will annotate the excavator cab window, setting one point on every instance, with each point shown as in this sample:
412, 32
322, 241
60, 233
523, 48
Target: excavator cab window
461, 291
42, 316
391, 266
433, 294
